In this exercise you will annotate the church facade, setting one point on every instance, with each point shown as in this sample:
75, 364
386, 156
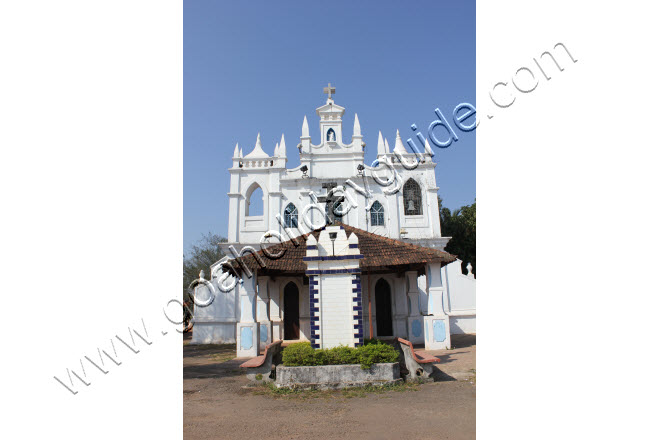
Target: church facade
333, 250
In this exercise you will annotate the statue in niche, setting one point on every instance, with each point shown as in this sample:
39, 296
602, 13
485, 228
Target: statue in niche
331, 135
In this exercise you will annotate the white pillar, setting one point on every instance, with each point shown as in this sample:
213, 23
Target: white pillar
247, 330
436, 325
275, 312
400, 308
415, 330
265, 327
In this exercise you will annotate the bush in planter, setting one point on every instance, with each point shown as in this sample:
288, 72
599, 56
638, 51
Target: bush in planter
299, 354
375, 354
302, 354
341, 355
370, 341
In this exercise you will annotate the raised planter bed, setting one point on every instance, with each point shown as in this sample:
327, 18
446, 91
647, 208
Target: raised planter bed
336, 376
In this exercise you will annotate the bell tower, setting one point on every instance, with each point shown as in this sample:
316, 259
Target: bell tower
331, 157
330, 122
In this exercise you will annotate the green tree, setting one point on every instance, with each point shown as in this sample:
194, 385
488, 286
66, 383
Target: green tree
461, 226
201, 256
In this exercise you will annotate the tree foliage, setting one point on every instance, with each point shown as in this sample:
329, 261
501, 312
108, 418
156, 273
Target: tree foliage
461, 226
201, 256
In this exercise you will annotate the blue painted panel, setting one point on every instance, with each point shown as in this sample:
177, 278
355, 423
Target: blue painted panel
416, 328
246, 338
439, 333
426, 330
263, 333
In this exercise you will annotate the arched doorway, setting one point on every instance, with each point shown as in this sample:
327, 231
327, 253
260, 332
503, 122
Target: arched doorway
291, 312
383, 309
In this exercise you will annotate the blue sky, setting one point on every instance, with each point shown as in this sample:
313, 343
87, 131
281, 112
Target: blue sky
254, 67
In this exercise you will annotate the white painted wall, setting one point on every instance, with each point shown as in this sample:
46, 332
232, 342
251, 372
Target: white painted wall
215, 323
461, 302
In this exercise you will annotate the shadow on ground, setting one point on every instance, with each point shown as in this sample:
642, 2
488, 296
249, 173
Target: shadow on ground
210, 361
217, 371
463, 341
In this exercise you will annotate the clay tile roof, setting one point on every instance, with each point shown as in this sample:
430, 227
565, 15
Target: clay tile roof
381, 254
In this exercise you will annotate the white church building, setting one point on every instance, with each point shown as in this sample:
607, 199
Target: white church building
335, 250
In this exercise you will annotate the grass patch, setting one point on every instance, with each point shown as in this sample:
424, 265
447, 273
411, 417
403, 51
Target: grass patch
223, 356
269, 389
217, 352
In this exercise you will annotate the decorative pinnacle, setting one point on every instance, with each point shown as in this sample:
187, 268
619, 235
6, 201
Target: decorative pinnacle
398, 144
381, 144
356, 127
305, 128
282, 152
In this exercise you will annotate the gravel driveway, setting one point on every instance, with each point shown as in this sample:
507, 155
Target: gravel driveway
218, 405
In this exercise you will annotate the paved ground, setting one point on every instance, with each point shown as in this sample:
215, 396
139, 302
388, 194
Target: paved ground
217, 405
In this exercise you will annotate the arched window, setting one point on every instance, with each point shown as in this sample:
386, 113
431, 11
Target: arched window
377, 214
291, 216
254, 205
331, 135
412, 198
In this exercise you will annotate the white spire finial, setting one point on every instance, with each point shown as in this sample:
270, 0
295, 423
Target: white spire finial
427, 148
469, 270
381, 144
201, 274
236, 150
282, 152
258, 152
240, 152
387, 146
305, 128
398, 144
277, 150
356, 127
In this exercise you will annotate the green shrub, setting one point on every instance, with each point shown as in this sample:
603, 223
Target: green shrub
302, 354
370, 341
376, 354
341, 355
298, 355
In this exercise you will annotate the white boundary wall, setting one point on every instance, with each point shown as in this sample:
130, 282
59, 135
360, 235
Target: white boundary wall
216, 323
461, 298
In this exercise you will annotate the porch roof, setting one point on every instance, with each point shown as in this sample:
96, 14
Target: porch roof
381, 254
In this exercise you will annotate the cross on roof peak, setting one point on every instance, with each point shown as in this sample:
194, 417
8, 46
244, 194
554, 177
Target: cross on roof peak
329, 90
